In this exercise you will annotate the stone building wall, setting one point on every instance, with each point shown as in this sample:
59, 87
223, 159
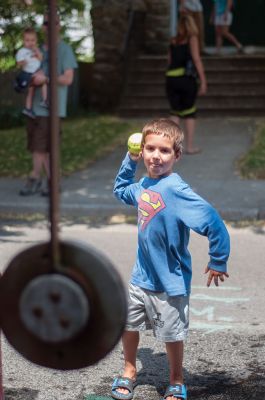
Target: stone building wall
157, 26
110, 23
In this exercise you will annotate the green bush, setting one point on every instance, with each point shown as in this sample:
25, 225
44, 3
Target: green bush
11, 117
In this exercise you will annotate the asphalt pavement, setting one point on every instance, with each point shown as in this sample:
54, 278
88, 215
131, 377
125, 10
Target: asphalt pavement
224, 358
212, 173
225, 351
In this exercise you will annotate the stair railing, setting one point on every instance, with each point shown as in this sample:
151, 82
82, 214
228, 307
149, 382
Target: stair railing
128, 34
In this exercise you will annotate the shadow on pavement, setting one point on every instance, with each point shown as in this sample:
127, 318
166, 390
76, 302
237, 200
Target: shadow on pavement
209, 385
206, 385
21, 394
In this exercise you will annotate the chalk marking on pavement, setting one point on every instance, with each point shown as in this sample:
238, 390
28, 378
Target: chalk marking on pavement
234, 288
209, 311
209, 328
228, 300
226, 319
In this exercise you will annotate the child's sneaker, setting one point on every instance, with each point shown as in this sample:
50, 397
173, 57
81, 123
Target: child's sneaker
29, 113
44, 103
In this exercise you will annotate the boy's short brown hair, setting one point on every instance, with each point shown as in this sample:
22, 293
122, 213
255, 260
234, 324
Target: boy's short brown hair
165, 127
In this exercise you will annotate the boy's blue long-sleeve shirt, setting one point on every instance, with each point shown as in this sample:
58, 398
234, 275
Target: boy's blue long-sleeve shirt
167, 209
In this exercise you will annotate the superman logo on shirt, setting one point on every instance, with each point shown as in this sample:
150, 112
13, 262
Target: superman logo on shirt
150, 203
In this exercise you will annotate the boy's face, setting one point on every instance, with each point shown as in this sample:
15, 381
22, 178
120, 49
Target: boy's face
158, 155
30, 40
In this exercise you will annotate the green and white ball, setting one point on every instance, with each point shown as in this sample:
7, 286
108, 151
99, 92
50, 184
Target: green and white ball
134, 143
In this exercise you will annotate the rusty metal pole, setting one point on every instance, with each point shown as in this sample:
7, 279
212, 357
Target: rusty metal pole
1, 371
2, 396
54, 132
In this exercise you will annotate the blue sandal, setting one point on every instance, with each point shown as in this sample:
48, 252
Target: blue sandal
122, 383
178, 391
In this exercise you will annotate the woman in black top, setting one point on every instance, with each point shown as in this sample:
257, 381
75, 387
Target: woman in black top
184, 69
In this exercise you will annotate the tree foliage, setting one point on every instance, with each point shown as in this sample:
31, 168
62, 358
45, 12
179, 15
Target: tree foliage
15, 16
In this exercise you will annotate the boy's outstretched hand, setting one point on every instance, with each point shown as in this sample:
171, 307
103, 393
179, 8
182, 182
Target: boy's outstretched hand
215, 275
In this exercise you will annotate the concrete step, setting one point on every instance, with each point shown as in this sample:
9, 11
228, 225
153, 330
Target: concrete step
222, 102
215, 63
218, 80
219, 105
158, 89
208, 68
244, 102
253, 101
202, 113
220, 76
236, 86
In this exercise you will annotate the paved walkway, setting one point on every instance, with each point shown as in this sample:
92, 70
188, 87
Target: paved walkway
212, 174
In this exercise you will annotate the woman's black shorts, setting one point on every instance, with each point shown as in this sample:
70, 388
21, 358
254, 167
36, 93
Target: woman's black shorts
182, 93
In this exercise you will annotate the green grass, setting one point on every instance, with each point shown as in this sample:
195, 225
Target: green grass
252, 164
84, 139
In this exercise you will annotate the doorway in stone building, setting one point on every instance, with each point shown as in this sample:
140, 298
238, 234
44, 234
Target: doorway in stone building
248, 22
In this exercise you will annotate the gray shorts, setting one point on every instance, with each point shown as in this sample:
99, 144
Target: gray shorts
168, 316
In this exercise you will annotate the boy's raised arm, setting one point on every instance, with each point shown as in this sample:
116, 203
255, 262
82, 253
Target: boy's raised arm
124, 186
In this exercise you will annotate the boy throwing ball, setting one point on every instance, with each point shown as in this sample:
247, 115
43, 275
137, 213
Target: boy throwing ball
160, 283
